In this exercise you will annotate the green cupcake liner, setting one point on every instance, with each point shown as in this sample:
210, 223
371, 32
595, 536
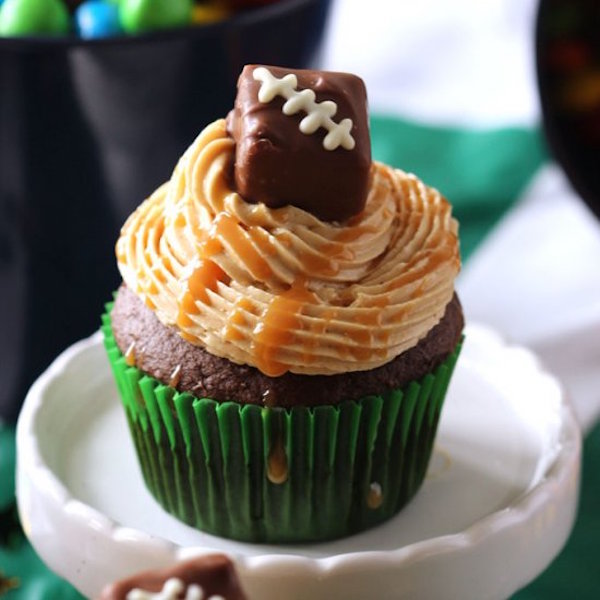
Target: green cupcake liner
262, 474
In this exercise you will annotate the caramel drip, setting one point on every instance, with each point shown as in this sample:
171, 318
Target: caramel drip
204, 277
324, 262
236, 320
152, 288
375, 496
418, 292
130, 355
180, 221
316, 264
318, 329
187, 306
188, 337
433, 260
277, 327
167, 265
337, 251
160, 276
277, 463
175, 377
229, 229
363, 337
231, 334
211, 247
378, 302
352, 234
383, 337
268, 398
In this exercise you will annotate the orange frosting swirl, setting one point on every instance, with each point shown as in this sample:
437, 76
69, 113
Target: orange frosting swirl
279, 289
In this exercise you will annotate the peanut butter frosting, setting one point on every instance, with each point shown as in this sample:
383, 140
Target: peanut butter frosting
278, 288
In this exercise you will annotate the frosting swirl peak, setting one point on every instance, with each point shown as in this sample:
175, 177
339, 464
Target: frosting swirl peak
280, 289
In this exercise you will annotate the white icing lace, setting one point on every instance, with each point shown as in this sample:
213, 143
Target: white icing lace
170, 591
318, 114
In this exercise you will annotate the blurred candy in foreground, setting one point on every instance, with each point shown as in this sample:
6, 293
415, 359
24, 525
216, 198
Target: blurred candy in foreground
145, 15
105, 18
26, 17
98, 18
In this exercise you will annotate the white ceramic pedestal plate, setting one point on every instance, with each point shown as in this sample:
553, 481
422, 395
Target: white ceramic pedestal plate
497, 505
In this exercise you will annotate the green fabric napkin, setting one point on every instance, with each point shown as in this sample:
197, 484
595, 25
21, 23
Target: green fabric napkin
483, 173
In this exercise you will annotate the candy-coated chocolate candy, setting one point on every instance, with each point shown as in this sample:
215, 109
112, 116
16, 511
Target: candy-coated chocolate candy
209, 13
98, 18
145, 15
27, 17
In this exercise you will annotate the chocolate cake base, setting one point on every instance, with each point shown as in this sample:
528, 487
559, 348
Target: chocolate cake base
160, 351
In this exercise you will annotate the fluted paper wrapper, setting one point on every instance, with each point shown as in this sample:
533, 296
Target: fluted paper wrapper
264, 474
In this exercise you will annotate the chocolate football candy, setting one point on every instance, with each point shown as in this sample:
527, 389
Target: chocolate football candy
302, 138
206, 577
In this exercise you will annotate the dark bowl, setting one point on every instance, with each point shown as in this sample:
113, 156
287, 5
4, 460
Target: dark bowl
568, 73
87, 130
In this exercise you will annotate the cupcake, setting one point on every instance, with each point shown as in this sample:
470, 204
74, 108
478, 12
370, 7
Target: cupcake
287, 325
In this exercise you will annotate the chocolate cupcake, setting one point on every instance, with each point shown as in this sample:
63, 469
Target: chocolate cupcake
287, 326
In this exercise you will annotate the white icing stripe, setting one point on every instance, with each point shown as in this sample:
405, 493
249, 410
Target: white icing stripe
318, 114
170, 591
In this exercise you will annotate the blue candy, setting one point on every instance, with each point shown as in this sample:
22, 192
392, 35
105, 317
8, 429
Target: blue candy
98, 18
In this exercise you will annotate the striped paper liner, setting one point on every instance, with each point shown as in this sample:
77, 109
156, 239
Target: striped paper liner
268, 474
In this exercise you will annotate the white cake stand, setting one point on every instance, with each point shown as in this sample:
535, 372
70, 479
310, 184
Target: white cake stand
497, 505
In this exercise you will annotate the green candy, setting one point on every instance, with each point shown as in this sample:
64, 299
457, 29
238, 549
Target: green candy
146, 15
31, 17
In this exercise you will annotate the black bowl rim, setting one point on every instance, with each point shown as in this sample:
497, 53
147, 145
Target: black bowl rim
238, 21
550, 125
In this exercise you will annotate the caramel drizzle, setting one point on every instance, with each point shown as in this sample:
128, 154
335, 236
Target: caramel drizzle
277, 327
130, 355
374, 496
268, 398
229, 229
431, 261
237, 320
206, 276
277, 463
175, 377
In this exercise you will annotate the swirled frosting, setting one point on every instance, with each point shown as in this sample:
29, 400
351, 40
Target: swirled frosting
279, 289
